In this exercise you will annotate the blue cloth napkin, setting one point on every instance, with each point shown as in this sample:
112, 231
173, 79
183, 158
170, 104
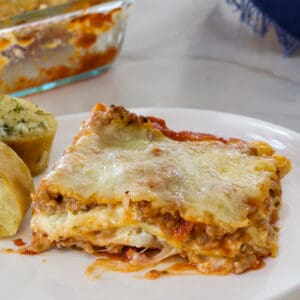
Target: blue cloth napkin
284, 15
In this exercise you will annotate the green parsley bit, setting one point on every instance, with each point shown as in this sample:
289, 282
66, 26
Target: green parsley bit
42, 113
18, 108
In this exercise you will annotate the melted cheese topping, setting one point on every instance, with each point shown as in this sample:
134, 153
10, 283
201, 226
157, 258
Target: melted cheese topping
207, 181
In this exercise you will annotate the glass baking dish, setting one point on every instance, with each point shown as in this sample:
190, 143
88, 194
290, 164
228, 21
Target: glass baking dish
55, 45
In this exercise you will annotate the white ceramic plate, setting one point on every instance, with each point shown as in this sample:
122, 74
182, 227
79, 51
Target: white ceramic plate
59, 274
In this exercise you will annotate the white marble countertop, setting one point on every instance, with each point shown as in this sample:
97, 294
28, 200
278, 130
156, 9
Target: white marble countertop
191, 53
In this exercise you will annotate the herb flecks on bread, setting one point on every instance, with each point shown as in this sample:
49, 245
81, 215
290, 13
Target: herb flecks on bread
28, 129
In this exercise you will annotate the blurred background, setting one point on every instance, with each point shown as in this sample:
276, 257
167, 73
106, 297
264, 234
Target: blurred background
196, 54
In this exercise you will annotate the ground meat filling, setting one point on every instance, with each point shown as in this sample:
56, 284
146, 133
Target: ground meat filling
51, 204
219, 250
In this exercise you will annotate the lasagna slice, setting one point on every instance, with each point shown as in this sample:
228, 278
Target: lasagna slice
130, 186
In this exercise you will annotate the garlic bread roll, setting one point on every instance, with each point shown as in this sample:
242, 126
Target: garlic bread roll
15, 188
29, 130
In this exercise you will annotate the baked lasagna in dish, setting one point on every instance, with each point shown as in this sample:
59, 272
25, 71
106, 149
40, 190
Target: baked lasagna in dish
131, 187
